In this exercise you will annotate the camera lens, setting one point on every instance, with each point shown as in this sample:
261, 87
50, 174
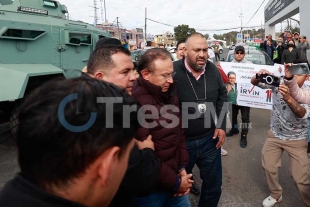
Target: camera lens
269, 79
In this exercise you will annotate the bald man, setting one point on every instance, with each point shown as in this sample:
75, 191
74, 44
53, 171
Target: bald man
199, 82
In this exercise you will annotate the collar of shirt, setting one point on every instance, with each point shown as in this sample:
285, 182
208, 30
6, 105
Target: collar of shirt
189, 70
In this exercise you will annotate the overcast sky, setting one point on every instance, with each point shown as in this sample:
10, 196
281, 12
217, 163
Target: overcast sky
199, 14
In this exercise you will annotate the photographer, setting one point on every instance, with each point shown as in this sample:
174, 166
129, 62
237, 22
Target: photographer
302, 48
288, 132
296, 38
299, 94
279, 48
270, 48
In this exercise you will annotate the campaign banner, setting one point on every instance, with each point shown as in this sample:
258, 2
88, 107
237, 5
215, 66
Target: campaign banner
248, 94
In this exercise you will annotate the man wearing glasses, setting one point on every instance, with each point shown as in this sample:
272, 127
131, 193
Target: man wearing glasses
239, 55
245, 111
155, 92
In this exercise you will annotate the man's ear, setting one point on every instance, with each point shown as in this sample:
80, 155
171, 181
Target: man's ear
185, 51
108, 164
100, 75
145, 74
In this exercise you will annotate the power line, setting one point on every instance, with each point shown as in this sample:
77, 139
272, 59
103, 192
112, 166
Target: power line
160, 23
255, 12
227, 28
169, 25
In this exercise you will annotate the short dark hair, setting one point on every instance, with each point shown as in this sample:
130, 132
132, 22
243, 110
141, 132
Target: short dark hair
180, 42
105, 41
231, 73
101, 57
51, 155
148, 58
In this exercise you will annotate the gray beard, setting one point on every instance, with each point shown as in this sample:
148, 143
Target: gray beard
199, 68
196, 67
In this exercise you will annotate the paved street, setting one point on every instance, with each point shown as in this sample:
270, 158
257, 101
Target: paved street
244, 184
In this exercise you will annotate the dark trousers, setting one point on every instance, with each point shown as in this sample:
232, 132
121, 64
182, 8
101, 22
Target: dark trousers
245, 117
204, 154
217, 56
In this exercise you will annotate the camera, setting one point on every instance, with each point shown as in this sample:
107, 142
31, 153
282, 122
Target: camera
299, 69
269, 79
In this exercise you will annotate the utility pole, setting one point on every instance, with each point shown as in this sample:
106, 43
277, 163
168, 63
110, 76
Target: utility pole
105, 12
261, 24
241, 15
119, 34
104, 19
145, 39
95, 13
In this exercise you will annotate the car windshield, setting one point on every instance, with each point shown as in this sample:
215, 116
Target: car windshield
259, 59
250, 48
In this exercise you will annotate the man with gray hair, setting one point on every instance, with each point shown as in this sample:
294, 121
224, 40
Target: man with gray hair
199, 82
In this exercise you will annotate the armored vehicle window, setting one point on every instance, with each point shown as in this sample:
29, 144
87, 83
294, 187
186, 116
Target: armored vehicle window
22, 34
50, 3
101, 36
77, 38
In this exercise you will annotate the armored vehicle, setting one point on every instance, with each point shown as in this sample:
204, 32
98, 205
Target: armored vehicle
38, 42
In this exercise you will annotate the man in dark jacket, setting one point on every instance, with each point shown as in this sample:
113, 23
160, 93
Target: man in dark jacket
273, 42
70, 159
154, 90
113, 64
269, 49
203, 96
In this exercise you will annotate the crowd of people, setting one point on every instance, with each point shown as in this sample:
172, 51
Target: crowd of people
289, 48
75, 150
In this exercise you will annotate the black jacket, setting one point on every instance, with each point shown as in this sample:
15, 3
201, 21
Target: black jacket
141, 176
216, 96
280, 49
290, 57
21, 192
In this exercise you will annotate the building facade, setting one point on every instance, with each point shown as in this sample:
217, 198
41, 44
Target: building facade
134, 38
167, 39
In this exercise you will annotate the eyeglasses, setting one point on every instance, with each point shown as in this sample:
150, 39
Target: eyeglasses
239, 53
166, 76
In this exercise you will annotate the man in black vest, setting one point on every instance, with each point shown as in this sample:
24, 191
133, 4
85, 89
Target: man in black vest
203, 98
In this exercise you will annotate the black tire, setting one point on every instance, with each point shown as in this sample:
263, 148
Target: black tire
221, 51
